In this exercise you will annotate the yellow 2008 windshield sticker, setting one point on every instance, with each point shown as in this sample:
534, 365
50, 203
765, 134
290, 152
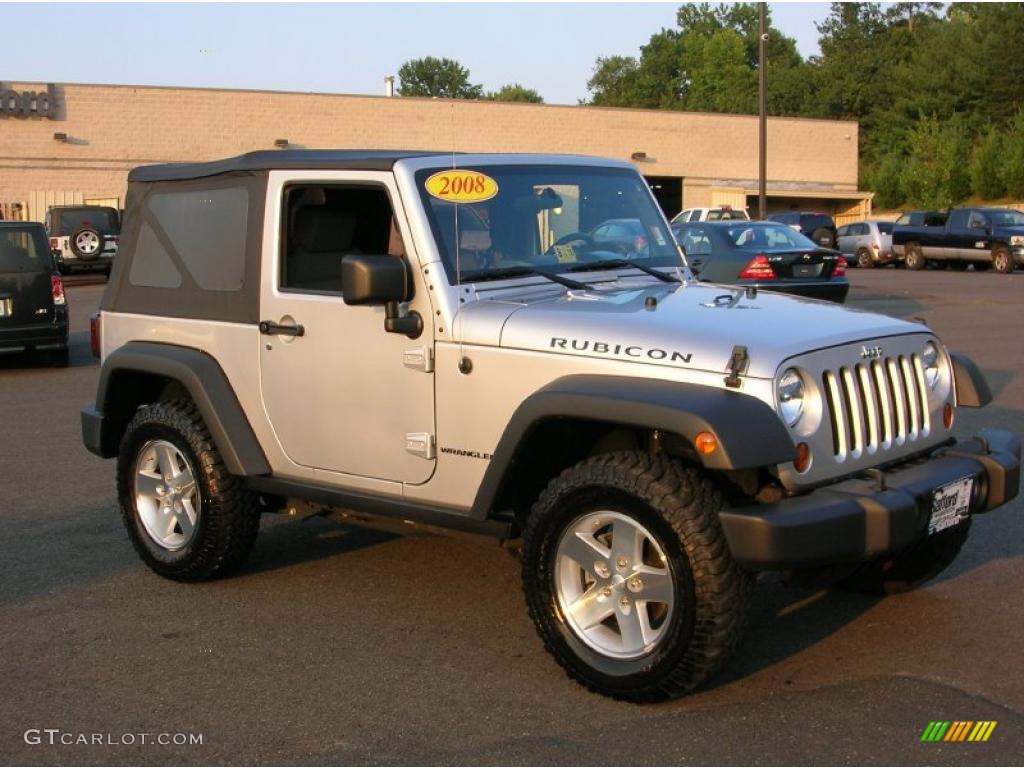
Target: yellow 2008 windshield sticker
462, 186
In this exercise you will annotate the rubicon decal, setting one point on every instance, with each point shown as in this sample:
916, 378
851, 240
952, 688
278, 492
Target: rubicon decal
621, 350
958, 730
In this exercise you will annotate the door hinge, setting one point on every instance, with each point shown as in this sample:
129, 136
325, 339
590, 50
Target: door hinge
419, 359
420, 444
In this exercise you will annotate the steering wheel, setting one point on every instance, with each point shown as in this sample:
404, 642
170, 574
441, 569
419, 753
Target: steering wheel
573, 237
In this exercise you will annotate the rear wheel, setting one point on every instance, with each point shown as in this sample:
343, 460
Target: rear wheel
1002, 260
864, 260
914, 257
187, 517
628, 577
911, 568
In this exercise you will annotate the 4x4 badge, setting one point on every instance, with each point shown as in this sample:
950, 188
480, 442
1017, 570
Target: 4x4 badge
871, 353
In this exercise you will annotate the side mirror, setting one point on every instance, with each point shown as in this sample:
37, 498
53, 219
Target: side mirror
375, 280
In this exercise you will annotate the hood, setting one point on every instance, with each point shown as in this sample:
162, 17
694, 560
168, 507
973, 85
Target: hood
690, 326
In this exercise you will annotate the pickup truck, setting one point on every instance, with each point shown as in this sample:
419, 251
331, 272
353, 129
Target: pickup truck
985, 237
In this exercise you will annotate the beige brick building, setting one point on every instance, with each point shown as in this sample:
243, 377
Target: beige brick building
94, 134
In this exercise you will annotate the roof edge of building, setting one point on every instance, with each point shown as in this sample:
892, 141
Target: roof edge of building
510, 104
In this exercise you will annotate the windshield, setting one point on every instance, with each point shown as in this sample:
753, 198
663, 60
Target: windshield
545, 217
1006, 218
756, 237
24, 250
103, 219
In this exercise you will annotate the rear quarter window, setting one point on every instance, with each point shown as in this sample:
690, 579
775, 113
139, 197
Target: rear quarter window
23, 250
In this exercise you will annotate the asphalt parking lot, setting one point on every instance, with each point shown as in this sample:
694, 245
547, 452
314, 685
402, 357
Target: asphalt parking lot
339, 645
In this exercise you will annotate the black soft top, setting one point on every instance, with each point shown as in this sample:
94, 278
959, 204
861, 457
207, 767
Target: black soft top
282, 159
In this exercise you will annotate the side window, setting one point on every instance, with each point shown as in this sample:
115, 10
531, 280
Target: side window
978, 220
843, 231
323, 224
205, 233
958, 220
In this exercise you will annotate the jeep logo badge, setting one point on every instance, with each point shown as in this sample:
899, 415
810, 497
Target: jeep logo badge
870, 353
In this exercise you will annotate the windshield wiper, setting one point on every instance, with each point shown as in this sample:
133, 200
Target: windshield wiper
616, 263
501, 274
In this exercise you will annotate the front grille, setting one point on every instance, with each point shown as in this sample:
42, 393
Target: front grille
876, 406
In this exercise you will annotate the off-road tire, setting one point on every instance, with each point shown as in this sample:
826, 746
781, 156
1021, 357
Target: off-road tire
1002, 260
913, 257
912, 567
864, 260
73, 243
230, 515
680, 506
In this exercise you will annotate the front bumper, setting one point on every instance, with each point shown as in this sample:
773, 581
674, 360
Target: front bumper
862, 518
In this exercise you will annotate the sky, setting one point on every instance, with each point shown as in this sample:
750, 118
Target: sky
338, 48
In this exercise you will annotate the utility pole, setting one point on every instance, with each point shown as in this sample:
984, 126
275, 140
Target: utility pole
762, 89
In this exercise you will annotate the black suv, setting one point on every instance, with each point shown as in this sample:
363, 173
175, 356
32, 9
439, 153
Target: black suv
820, 227
33, 309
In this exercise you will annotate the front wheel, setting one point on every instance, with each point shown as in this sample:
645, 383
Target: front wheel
628, 577
1002, 260
186, 516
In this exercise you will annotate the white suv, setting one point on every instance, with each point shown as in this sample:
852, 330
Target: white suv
722, 213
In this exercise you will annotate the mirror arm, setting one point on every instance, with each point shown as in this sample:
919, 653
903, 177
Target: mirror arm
394, 322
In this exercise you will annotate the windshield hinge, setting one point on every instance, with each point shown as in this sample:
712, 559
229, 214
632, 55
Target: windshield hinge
420, 444
419, 359
738, 364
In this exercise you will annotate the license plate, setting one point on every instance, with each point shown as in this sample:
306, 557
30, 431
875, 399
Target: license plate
950, 504
806, 270
5, 307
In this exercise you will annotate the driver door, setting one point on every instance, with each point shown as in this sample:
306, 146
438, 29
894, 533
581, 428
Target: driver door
342, 394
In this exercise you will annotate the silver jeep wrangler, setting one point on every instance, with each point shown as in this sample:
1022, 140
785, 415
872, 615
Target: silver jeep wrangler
451, 340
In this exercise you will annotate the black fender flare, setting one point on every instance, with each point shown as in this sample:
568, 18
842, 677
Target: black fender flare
750, 433
972, 389
205, 381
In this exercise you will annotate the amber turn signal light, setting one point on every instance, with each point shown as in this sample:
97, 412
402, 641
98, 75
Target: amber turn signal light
947, 415
705, 443
802, 460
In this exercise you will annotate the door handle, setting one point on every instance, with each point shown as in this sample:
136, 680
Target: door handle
268, 328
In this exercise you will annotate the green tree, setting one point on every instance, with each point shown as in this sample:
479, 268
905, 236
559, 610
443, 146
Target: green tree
885, 179
440, 78
987, 165
708, 63
935, 174
1013, 157
515, 92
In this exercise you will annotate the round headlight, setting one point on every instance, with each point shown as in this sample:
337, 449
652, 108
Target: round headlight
930, 363
791, 397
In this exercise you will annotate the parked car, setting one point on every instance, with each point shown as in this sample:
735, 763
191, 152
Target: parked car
819, 227
984, 237
725, 212
647, 442
763, 254
866, 243
83, 237
33, 308
626, 237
